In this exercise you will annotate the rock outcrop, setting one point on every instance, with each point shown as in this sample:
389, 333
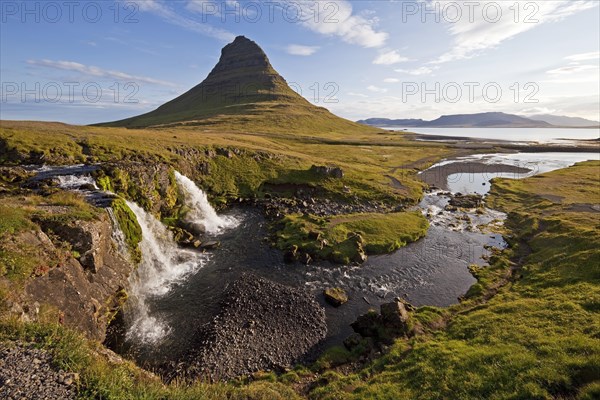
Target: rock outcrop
392, 321
87, 286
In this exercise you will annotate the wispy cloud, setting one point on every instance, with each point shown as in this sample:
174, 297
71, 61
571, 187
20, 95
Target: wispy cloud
572, 69
89, 70
391, 80
376, 89
300, 50
594, 55
357, 94
389, 58
476, 32
337, 18
417, 71
171, 16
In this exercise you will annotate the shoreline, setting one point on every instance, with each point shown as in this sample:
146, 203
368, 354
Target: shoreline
464, 142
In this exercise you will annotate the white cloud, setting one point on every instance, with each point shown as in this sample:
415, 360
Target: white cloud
376, 89
357, 94
595, 55
572, 69
300, 50
538, 111
389, 58
160, 9
477, 31
336, 18
391, 80
90, 70
417, 71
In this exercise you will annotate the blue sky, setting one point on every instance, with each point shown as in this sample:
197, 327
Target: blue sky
93, 61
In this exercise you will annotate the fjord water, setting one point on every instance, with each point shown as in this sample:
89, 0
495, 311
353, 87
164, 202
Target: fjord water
540, 135
537, 163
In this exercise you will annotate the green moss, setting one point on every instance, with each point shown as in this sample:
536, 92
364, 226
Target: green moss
17, 264
333, 357
13, 220
130, 228
104, 183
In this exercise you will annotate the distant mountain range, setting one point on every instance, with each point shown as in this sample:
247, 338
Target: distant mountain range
485, 120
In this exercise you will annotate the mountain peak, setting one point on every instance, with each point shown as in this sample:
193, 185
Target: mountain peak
242, 53
243, 88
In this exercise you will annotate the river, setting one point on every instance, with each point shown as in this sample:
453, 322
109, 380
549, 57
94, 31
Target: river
175, 291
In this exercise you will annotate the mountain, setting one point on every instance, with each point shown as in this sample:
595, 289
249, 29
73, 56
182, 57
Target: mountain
392, 122
243, 91
481, 120
561, 120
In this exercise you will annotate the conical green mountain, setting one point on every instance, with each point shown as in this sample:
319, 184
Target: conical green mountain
243, 91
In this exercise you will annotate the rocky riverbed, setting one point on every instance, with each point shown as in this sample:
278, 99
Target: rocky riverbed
262, 325
28, 373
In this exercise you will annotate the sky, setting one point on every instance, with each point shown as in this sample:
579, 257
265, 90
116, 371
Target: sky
83, 62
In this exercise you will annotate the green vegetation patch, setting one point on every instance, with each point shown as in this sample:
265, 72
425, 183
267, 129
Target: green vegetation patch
13, 220
348, 238
130, 228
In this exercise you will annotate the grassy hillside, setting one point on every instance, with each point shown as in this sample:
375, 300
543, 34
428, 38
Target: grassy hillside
369, 159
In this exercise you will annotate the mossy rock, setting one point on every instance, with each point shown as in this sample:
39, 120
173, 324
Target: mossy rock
335, 296
130, 228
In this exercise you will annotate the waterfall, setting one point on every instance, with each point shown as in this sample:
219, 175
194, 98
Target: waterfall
73, 182
163, 265
200, 209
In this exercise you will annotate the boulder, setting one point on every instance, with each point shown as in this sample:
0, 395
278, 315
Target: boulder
195, 228
394, 314
466, 201
392, 321
366, 324
209, 245
335, 296
328, 172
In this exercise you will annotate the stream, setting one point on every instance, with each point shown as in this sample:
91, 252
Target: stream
175, 291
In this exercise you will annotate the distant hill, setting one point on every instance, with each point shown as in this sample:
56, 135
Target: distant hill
561, 120
481, 120
243, 91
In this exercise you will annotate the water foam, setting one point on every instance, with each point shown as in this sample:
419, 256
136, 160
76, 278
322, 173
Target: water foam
200, 209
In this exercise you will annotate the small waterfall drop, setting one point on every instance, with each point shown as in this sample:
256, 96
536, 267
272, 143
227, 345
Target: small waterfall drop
201, 210
74, 182
163, 265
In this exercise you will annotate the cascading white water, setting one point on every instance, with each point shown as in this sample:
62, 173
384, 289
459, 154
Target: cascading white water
200, 209
74, 182
163, 265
